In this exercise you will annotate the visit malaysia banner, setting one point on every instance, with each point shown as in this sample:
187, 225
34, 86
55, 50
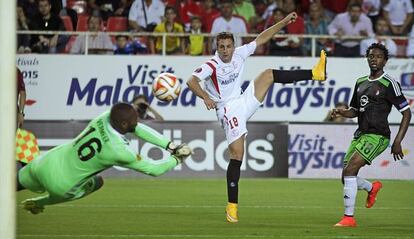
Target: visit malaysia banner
317, 151
65, 87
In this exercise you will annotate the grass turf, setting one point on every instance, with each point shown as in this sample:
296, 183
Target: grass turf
194, 208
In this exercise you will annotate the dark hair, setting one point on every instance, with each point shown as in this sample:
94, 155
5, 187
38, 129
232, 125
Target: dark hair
224, 35
226, 1
341, 103
378, 46
121, 112
354, 5
169, 8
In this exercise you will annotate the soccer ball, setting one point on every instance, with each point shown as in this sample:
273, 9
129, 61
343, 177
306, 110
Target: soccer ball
166, 87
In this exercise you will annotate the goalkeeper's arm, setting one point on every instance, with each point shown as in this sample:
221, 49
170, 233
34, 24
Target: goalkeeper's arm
152, 167
150, 135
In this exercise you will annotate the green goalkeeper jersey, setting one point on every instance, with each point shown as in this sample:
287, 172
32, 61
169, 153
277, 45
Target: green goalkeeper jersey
97, 148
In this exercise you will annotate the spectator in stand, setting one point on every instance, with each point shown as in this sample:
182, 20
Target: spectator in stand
399, 14
196, 43
123, 46
144, 15
46, 21
23, 40
372, 9
382, 30
174, 44
272, 5
21, 98
334, 7
227, 22
143, 107
98, 42
208, 15
339, 118
246, 10
284, 46
350, 23
186, 10
410, 47
30, 8
108, 8
316, 25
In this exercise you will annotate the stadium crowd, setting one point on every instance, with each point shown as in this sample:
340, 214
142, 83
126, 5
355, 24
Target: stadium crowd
373, 20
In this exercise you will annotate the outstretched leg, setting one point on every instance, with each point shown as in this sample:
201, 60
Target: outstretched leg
263, 82
37, 205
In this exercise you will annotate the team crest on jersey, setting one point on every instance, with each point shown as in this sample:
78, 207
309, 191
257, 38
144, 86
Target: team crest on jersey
198, 70
364, 100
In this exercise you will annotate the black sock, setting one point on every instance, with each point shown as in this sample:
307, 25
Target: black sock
280, 76
233, 175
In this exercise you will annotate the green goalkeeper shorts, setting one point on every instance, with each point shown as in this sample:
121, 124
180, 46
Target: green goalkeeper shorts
369, 146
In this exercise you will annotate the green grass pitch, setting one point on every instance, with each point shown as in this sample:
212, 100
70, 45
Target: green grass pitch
194, 208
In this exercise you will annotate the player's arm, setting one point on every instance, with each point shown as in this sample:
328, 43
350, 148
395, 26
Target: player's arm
397, 98
194, 85
152, 167
152, 136
267, 34
396, 149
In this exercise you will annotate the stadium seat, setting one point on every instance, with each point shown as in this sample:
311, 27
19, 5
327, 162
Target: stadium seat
82, 25
67, 21
117, 24
79, 6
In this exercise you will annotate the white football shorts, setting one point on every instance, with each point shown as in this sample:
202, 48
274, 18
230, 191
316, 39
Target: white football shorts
233, 115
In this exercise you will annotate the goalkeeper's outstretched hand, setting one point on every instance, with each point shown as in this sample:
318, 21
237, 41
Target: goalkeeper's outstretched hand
181, 152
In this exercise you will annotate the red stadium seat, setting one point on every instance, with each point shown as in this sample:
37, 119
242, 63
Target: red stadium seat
67, 21
117, 24
82, 25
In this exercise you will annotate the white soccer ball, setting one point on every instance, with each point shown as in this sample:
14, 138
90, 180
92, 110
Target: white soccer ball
166, 87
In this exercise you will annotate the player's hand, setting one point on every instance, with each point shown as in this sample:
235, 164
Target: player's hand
396, 151
290, 18
210, 104
182, 151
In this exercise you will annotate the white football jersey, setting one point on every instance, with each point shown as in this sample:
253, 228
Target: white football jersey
223, 81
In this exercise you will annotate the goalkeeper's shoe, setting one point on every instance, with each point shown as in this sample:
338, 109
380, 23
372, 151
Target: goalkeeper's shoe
372, 195
31, 206
346, 221
231, 212
319, 70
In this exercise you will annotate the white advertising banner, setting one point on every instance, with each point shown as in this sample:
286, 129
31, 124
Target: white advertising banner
65, 87
317, 151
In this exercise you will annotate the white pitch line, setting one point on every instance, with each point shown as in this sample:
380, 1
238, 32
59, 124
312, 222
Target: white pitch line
215, 206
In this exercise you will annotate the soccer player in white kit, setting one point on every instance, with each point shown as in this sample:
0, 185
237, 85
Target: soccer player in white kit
222, 77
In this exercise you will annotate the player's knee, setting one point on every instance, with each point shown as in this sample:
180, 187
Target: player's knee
350, 170
99, 182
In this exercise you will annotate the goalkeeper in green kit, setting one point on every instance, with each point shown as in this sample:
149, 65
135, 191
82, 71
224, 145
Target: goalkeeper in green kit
70, 171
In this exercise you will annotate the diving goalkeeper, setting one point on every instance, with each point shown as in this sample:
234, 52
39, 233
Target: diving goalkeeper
70, 171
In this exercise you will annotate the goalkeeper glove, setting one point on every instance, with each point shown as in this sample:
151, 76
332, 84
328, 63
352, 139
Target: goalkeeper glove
180, 152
